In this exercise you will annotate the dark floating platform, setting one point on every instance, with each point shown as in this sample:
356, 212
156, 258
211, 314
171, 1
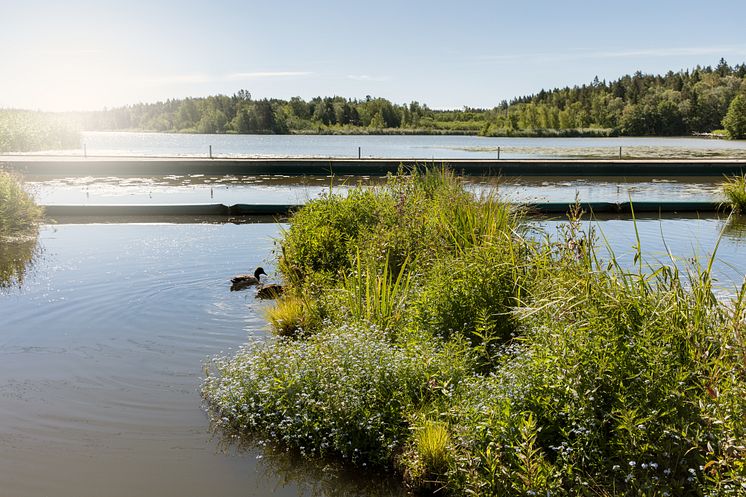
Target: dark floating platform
284, 210
114, 166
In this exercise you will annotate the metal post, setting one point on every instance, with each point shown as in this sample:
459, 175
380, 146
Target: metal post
498, 153
620, 153
211, 151
359, 152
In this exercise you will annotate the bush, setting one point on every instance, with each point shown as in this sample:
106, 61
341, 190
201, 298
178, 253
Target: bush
344, 391
477, 360
631, 384
319, 243
18, 211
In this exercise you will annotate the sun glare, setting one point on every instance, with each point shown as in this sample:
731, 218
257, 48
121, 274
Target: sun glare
70, 80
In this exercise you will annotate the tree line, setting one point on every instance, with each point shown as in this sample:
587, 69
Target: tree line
677, 103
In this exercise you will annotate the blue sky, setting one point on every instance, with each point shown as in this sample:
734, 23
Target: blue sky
80, 55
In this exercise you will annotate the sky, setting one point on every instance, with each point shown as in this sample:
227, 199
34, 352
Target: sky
89, 55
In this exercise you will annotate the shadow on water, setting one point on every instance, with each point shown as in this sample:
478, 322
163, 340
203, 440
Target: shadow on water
312, 477
17, 258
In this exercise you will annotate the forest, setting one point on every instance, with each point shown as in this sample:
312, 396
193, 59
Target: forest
677, 103
700, 101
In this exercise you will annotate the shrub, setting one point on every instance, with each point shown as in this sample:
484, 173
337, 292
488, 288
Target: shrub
633, 383
18, 211
344, 391
320, 241
477, 360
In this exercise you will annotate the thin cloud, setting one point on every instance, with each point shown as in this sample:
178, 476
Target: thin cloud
366, 77
239, 76
618, 54
179, 79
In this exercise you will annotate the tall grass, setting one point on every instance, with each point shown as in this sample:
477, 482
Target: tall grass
19, 220
734, 189
476, 360
18, 211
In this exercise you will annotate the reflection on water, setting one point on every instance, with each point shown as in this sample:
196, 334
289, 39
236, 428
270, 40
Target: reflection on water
17, 258
101, 362
101, 359
686, 240
269, 189
735, 227
397, 146
325, 477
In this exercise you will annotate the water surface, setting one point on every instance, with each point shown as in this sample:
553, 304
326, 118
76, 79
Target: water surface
268, 189
396, 146
101, 354
102, 347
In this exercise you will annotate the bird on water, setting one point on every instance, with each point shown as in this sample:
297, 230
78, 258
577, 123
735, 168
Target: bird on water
242, 281
269, 291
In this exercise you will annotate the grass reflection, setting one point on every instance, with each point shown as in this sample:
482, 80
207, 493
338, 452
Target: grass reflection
17, 258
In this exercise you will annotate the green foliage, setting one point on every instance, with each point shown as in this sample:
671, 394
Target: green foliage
323, 235
677, 103
734, 188
19, 220
478, 361
375, 295
345, 391
471, 295
735, 120
293, 315
19, 214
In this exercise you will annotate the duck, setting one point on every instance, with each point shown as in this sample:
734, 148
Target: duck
269, 291
242, 281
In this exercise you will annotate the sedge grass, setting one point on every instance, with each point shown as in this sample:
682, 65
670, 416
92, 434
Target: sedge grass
734, 189
19, 213
542, 365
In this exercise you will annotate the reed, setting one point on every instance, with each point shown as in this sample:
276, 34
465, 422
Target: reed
477, 360
19, 214
734, 189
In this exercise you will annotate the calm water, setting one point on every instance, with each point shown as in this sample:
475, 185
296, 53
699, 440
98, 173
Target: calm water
101, 354
297, 190
420, 147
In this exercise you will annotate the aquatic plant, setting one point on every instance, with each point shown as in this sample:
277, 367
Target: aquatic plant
18, 211
734, 188
344, 391
477, 360
292, 315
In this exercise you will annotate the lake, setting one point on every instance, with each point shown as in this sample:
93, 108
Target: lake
102, 349
268, 189
396, 146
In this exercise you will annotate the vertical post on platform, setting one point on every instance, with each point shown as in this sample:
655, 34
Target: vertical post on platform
211, 151
498, 153
620, 153
359, 152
